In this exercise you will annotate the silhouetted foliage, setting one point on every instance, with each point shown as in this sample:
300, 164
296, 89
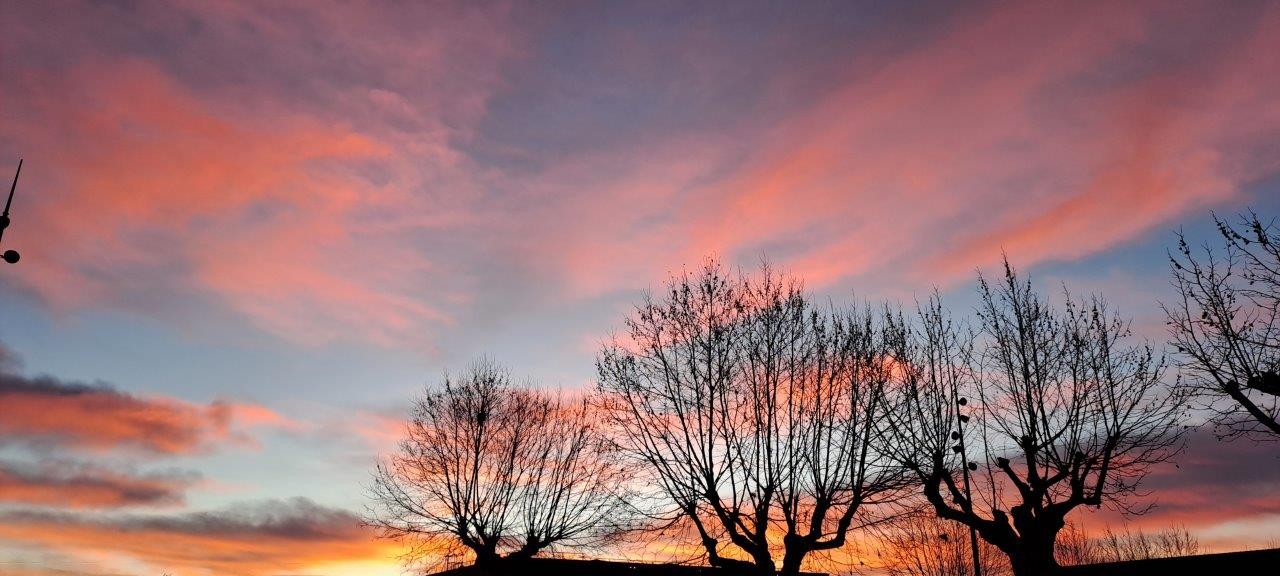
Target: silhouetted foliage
1055, 409
1077, 548
501, 470
1226, 326
752, 413
1074, 546
1129, 545
922, 544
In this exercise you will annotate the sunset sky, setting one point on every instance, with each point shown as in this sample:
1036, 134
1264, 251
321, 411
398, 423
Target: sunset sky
252, 231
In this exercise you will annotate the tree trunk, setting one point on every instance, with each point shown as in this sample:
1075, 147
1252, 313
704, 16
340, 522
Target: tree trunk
792, 559
1033, 556
764, 563
487, 558
486, 552
761, 561
529, 550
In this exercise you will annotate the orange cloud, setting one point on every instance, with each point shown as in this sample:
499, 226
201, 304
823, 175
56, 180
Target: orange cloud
268, 538
47, 411
72, 485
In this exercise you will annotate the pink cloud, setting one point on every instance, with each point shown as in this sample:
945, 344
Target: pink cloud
327, 191
255, 416
181, 195
1165, 148
379, 431
151, 183
1008, 130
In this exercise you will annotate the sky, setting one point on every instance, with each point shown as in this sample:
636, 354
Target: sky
251, 232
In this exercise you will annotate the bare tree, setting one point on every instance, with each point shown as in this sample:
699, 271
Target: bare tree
1011, 427
500, 470
1074, 547
922, 544
1226, 326
754, 413
1130, 545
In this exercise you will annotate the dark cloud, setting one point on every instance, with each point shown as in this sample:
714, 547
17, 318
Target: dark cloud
1210, 484
9, 360
1210, 464
83, 485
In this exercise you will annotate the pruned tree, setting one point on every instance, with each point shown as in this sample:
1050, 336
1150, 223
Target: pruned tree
1039, 411
753, 412
500, 470
1225, 324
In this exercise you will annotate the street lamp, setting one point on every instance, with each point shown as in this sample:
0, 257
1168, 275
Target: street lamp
10, 256
966, 468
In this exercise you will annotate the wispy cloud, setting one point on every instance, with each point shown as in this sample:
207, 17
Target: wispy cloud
1012, 129
157, 180
365, 188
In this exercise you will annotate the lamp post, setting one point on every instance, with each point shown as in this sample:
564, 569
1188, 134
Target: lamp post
966, 468
10, 256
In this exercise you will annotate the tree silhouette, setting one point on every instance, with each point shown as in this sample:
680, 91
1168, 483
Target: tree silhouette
1057, 412
1225, 325
500, 470
753, 413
